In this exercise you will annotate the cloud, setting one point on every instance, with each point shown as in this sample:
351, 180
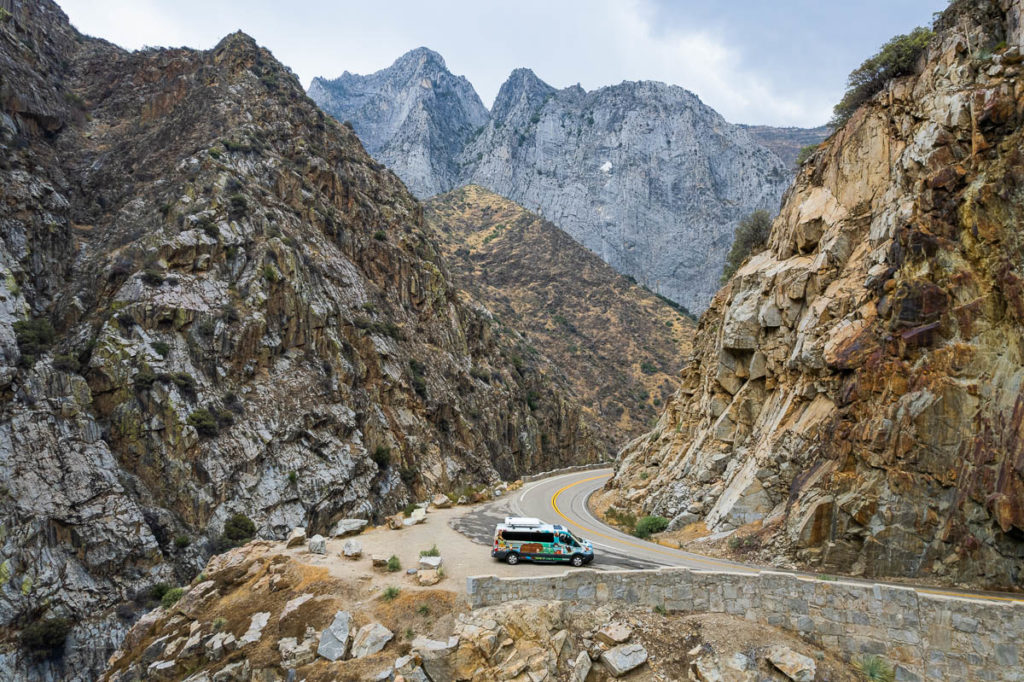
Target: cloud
703, 63
592, 42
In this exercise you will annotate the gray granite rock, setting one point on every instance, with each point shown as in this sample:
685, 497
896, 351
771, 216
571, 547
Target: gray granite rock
370, 639
621, 659
334, 639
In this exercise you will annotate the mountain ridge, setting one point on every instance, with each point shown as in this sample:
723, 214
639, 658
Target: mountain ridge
214, 302
664, 215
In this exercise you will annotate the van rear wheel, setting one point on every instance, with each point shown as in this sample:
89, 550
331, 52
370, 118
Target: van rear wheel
512, 559
577, 560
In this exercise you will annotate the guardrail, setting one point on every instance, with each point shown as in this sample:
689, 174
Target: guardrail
926, 636
567, 470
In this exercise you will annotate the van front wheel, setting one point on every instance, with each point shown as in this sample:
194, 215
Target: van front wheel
577, 560
512, 559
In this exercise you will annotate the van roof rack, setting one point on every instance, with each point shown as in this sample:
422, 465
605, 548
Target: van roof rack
523, 522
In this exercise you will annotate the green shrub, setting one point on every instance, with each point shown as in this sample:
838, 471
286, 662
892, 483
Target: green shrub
206, 328
381, 456
45, 638
394, 564
271, 274
423, 609
532, 400
185, 382
34, 337
380, 235
152, 277
624, 519
204, 422
238, 206
433, 551
157, 592
219, 623
293, 477
66, 363
897, 57
408, 509
162, 348
648, 367
648, 525
751, 237
238, 530
747, 543
805, 153
182, 541
391, 592
874, 669
408, 475
171, 597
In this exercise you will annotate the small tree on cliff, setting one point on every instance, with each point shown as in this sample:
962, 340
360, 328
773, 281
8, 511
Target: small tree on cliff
896, 58
751, 237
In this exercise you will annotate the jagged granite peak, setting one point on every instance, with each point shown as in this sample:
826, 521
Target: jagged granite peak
642, 173
213, 301
415, 116
854, 400
521, 89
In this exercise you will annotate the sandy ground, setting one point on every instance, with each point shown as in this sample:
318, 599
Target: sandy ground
461, 556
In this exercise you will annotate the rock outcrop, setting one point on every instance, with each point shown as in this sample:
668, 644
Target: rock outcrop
310, 624
642, 173
855, 398
619, 346
213, 301
415, 116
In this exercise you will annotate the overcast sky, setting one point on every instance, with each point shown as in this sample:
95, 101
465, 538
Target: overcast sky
781, 62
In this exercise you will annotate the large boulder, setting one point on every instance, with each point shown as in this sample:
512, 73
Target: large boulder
430, 563
621, 659
796, 667
348, 527
370, 639
418, 515
614, 634
581, 668
318, 544
441, 501
352, 549
334, 638
297, 538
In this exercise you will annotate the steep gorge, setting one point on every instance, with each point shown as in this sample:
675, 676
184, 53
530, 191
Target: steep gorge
854, 402
619, 346
214, 301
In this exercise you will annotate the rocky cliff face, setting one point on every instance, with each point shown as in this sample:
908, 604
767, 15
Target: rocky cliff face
213, 301
414, 116
619, 346
642, 173
855, 395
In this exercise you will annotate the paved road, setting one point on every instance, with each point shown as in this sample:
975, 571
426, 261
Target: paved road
563, 500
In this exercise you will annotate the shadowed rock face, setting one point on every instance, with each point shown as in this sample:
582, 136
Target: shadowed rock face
856, 388
641, 173
249, 317
619, 346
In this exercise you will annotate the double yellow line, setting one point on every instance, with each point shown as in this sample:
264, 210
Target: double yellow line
651, 547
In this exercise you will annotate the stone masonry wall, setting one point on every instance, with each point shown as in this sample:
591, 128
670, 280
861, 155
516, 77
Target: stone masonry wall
926, 636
